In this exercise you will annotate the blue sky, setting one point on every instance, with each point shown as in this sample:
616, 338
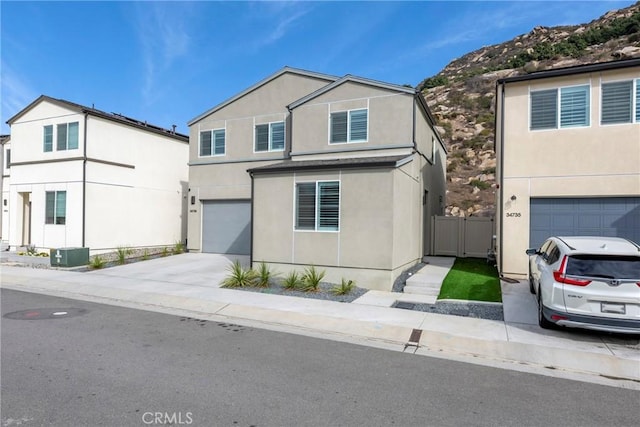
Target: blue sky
167, 62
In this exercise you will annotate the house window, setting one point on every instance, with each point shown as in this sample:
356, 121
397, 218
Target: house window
67, 137
8, 159
270, 137
574, 106
318, 206
212, 142
56, 207
48, 138
571, 109
638, 101
617, 103
349, 126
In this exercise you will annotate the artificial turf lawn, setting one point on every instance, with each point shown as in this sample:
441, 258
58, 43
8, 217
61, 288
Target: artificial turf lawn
471, 279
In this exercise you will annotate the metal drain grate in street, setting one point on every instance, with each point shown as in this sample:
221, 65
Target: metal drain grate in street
46, 313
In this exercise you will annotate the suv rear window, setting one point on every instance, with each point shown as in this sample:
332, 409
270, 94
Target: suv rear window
614, 267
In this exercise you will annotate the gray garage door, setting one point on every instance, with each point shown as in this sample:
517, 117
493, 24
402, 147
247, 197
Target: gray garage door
226, 227
601, 216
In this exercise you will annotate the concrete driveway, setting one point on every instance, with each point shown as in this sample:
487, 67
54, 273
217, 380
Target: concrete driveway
190, 268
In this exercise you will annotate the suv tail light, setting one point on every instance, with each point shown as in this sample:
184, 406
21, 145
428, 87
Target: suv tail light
560, 277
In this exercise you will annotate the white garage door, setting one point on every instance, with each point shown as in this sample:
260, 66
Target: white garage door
598, 216
226, 227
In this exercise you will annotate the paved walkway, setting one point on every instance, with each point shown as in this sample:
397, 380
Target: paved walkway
188, 285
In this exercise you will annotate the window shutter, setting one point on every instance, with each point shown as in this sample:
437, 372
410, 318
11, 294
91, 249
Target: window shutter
328, 205
638, 101
544, 105
574, 106
73, 136
262, 137
205, 143
219, 142
339, 127
50, 206
61, 207
48, 138
358, 131
62, 137
616, 102
306, 206
277, 136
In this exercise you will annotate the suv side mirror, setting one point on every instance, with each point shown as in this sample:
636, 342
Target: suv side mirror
532, 252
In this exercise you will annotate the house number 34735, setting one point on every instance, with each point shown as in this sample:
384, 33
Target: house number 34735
514, 214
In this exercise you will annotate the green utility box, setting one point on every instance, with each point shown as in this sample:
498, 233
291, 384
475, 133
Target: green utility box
69, 257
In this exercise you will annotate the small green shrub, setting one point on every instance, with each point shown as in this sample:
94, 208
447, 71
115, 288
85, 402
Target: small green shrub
123, 252
292, 281
311, 279
178, 248
483, 185
145, 255
344, 288
264, 276
165, 251
238, 277
31, 250
452, 166
97, 262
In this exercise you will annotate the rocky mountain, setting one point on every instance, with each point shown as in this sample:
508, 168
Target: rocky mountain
461, 96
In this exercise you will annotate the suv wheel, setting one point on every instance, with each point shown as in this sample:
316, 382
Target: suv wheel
531, 288
542, 321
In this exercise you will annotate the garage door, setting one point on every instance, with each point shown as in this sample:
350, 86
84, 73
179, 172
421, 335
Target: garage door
226, 227
603, 216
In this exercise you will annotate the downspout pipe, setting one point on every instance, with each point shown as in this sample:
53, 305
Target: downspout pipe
501, 189
84, 180
252, 209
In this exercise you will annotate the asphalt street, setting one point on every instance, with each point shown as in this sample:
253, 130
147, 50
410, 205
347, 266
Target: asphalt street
74, 363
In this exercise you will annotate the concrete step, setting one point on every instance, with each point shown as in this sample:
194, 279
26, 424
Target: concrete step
422, 290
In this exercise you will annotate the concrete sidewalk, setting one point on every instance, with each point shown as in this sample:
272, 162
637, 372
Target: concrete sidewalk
168, 285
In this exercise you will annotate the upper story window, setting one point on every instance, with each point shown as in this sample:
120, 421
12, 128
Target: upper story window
212, 143
56, 207
7, 159
270, 137
349, 126
620, 102
66, 139
570, 109
318, 206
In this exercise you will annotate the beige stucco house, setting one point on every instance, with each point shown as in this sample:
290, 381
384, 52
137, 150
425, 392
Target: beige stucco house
307, 169
568, 156
81, 177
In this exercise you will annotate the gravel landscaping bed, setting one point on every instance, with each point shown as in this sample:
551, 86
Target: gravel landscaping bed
464, 309
323, 293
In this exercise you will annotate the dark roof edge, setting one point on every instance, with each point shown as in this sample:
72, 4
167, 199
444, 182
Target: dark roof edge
291, 165
98, 113
576, 69
259, 84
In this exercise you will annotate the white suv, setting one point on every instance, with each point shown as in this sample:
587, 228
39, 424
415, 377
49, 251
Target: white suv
587, 282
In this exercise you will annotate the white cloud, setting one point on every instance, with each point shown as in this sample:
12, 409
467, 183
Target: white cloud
162, 29
278, 18
15, 92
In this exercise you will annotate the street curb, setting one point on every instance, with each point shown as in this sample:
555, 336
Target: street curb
373, 333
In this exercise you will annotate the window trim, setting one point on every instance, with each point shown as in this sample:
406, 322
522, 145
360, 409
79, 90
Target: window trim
635, 101
55, 219
270, 127
317, 228
213, 133
348, 140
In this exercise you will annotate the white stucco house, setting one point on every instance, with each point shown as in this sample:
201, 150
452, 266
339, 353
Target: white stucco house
5, 161
81, 177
